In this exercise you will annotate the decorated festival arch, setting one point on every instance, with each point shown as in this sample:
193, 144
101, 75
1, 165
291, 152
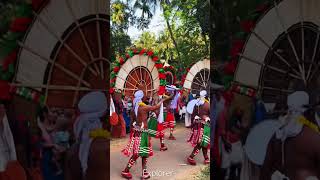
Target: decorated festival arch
276, 60
58, 54
197, 77
139, 69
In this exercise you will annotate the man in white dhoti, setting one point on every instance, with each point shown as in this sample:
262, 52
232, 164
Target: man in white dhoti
7, 147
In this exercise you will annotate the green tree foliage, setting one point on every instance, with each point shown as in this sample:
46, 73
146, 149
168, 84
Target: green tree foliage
121, 18
184, 40
146, 40
119, 43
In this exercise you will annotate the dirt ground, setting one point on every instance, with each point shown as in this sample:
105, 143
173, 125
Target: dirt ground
168, 165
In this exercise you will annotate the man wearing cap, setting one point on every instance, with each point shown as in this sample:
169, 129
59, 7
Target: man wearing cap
294, 150
200, 132
139, 144
170, 109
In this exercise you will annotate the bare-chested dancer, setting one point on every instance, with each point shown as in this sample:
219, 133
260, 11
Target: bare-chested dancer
139, 144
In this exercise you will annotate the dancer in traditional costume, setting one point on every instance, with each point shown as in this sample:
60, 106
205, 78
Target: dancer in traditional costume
200, 132
140, 141
155, 124
170, 109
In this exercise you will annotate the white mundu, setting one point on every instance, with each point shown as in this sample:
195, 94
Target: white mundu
7, 148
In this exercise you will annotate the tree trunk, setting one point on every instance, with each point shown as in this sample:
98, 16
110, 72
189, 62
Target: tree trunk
172, 38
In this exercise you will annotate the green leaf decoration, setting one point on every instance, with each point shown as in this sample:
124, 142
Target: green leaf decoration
130, 53
161, 70
113, 75
163, 82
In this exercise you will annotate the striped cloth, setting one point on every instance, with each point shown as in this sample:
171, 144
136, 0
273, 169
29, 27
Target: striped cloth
139, 143
200, 134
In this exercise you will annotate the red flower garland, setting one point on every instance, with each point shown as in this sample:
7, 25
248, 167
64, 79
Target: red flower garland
142, 52
159, 66
247, 25
149, 53
20, 24
116, 69
121, 61
111, 90
113, 80
162, 76
162, 90
9, 60
231, 67
236, 48
135, 51
155, 58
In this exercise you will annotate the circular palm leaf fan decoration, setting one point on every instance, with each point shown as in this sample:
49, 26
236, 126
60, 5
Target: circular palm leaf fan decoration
198, 77
138, 70
278, 59
170, 74
65, 51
